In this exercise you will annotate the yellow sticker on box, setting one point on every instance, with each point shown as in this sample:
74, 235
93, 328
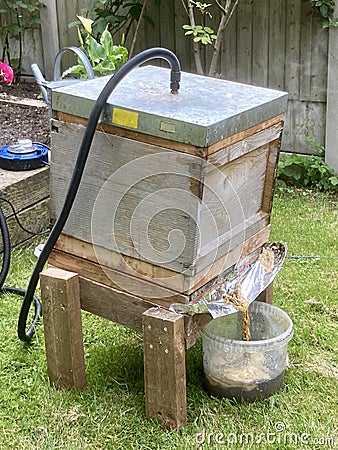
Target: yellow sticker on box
125, 118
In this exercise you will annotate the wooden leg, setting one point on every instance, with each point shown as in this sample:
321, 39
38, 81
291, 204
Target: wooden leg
164, 367
60, 293
267, 295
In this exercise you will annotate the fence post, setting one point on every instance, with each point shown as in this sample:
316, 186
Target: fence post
50, 36
331, 154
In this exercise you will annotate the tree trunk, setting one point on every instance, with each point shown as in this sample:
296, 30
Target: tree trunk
196, 45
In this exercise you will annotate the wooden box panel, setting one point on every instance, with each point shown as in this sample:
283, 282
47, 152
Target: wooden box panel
153, 283
28, 192
136, 199
164, 207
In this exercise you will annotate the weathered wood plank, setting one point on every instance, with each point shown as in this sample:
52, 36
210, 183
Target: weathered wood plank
33, 49
228, 50
167, 21
63, 328
34, 219
319, 58
244, 134
305, 52
168, 144
292, 45
50, 37
118, 280
153, 34
331, 155
28, 192
267, 295
23, 188
231, 201
129, 134
160, 276
124, 264
164, 367
245, 146
183, 44
125, 182
276, 44
66, 13
112, 304
244, 41
303, 118
270, 176
260, 42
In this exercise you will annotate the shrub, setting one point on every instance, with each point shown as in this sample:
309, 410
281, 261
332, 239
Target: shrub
105, 57
307, 172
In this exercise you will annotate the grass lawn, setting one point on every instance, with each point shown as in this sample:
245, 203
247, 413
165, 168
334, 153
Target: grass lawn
110, 414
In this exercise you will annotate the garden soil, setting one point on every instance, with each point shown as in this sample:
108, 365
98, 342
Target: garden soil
23, 114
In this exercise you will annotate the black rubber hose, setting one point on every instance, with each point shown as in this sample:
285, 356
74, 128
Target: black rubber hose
171, 58
6, 247
6, 260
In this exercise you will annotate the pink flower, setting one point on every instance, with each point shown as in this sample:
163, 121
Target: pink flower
6, 73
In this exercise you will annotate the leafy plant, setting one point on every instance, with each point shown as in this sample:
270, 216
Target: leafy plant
308, 171
202, 34
119, 16
23, 14
205, 35
325, 8
105, 57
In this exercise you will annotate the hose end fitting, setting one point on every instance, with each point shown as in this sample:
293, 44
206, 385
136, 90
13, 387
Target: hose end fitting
175, 78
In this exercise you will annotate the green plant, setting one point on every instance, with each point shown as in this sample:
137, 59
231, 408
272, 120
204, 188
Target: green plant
308, 171
325, 8
119, 16
202, 34
17, 16
109, 414
105, 57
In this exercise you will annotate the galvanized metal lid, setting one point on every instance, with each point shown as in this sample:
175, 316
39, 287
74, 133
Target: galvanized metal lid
205, 111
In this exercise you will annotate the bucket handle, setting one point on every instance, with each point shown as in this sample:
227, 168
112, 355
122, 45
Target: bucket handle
80, 54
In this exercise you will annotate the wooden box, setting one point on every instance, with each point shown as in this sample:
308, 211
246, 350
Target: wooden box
177, 188
25, 194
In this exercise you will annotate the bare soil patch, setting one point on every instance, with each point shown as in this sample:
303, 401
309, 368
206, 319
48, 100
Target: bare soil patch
23, 115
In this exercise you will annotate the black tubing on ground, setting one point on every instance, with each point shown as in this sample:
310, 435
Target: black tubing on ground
6, 247
153, 53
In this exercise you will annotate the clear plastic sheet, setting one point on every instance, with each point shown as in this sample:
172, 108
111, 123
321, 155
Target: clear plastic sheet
253, 280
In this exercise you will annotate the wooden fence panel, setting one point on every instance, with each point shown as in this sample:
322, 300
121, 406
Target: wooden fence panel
260, 47
292, 45
244, 40
273, 43
32, 48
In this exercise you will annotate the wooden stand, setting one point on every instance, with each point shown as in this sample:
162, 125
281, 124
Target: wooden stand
63, 328
163, 332
164, 367
166, 336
